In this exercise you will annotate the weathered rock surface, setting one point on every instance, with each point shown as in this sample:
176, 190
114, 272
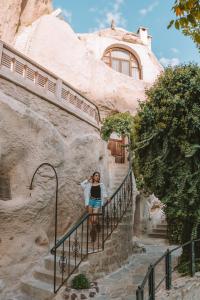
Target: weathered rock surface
14, 15
185, 288
34, 131
52, 43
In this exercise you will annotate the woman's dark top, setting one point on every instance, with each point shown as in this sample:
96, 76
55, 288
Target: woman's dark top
96, 191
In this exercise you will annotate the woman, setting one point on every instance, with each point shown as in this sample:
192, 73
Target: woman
95, 195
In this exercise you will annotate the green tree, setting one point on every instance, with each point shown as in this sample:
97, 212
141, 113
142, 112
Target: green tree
187, 18
166, 144
121, 123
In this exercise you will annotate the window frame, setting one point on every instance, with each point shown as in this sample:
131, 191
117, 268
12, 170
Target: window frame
107, 59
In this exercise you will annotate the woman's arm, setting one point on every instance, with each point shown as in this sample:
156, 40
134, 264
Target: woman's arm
87, 193
84, 183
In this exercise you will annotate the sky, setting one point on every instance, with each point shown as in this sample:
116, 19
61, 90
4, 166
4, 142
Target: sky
169, 45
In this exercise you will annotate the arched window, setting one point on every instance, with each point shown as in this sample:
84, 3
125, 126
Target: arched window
123, 61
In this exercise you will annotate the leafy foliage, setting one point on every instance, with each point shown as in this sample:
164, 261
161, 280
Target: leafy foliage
80, 282
188, 18
121, 123
166, 144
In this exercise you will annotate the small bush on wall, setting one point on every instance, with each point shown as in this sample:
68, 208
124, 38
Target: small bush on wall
120, 123
80, 282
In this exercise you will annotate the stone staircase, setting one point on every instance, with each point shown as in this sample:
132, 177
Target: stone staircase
122, 284
117, 173
39, 284
160, 231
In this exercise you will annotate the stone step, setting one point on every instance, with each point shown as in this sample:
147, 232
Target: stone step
36, 289
49, 262
130, 297
163, 222
157, 235
47, 276
161, 226
120, 173
157, 230
59, 252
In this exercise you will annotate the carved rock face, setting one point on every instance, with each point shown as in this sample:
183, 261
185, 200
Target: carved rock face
19, 13
34, 131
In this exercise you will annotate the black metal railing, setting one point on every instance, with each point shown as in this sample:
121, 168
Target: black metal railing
46, 164
90, 233
160, 273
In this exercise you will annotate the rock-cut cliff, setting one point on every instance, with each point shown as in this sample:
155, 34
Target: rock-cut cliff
16, 14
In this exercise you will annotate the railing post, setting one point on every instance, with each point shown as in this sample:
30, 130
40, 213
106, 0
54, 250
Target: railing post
139, 293
87, 233
131, 184
192, 259
103, 219
152, 283
168, 270
56, 212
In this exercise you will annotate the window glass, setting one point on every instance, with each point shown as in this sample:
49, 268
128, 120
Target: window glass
125, 67
135, 73
116, 65
120, 54
122, 61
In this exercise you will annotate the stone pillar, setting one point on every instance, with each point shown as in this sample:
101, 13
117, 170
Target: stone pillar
1, 51
58, 89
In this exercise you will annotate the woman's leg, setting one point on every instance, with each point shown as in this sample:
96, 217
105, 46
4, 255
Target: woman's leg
90, 211
95, 211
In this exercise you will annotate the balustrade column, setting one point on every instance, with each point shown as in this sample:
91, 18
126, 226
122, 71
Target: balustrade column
58, 89
1, 51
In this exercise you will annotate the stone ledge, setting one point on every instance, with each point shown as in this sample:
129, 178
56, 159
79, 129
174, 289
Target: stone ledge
184, 288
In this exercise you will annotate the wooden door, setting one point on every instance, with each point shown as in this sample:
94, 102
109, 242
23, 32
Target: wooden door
117, 150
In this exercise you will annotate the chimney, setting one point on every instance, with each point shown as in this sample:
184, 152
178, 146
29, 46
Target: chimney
143, 35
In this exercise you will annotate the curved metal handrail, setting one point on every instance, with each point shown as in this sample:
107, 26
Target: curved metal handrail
85, 216
69, 233
112, 196
71, 241
167, 256
56, 202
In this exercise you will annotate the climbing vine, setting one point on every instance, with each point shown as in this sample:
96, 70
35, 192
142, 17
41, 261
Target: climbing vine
120, 123
166, 145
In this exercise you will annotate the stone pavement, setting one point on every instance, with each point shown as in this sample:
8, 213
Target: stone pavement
122, 284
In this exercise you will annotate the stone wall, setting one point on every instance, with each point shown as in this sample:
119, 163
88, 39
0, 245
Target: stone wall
185, 288
34, 131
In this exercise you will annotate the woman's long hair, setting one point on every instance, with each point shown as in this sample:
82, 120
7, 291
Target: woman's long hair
94, 175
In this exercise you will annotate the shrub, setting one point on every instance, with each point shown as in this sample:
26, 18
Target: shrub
121, 123
80, 282
166, 144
